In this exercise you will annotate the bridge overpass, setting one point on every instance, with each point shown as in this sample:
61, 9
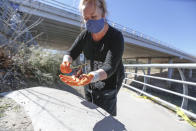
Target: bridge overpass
62, 24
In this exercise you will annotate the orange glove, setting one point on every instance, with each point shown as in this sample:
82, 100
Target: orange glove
65, 67
83, 80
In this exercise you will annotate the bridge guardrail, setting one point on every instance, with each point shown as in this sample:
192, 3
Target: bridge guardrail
145, 84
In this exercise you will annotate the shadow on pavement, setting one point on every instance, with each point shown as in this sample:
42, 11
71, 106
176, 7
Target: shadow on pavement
109, 124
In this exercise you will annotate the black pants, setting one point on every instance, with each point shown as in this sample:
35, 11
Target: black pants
106, 99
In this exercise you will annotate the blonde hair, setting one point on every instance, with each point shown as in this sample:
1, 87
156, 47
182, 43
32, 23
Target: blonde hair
97, 3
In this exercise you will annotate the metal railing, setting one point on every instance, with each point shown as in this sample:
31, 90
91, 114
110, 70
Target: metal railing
146, 84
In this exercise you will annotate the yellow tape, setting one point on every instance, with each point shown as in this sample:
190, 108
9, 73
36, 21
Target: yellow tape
178, 110
185, 117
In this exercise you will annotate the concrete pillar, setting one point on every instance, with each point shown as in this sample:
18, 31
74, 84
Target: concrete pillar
161, 70
170, 72
190, 73
149, 69
136, 69
145, 81
125, 80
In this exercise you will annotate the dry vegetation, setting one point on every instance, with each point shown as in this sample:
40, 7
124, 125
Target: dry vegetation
22, 62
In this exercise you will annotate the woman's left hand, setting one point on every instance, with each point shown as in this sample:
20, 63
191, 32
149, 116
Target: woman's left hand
83, 80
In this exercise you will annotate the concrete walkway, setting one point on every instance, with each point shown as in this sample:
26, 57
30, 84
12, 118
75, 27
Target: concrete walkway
57, 110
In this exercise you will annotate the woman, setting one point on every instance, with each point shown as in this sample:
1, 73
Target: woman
103, 46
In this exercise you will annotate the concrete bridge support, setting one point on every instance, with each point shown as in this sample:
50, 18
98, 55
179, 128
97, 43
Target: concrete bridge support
170, 72
136, 69
149, 70
190, 73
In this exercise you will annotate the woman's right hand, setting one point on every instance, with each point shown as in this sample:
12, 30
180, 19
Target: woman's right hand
65, 67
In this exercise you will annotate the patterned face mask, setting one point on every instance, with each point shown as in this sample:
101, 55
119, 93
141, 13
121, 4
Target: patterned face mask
95, 26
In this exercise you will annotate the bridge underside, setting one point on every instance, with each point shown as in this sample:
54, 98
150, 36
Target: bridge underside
60, 36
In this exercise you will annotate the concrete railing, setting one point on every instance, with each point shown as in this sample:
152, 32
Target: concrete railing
146, 84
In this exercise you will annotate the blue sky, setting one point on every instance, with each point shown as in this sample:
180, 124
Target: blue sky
171, 21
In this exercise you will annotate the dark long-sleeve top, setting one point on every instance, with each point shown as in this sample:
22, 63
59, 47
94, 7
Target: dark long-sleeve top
108, 51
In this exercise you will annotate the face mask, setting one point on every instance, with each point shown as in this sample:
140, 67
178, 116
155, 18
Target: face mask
95, 26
